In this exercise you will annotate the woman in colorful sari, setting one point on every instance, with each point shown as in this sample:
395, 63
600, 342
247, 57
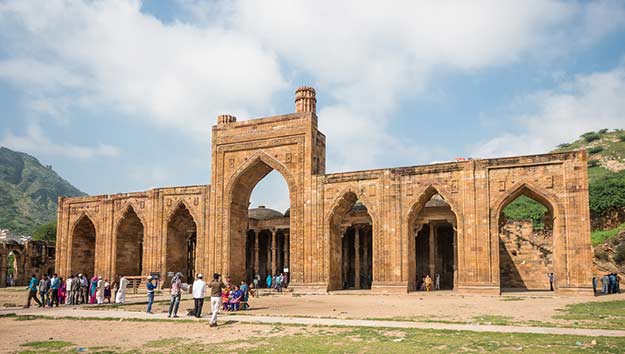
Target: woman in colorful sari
62, 291
92, 290
428, 283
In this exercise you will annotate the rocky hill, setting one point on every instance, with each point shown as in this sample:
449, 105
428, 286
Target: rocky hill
28, 192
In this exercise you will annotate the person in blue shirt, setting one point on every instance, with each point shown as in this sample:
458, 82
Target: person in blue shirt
32, 291
269, 281
54, 290
151, 286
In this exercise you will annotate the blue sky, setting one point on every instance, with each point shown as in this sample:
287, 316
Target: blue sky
120, 95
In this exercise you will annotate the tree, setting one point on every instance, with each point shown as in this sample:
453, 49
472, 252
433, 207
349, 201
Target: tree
46, 232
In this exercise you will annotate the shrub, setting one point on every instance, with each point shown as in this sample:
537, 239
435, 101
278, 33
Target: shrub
563, 145
590, 136
525, 208
602, 255
619, 253
621, 137
603, 131
607, 192
595, 150
593, 163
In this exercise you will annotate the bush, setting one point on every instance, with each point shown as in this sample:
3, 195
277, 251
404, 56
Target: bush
593, 163
603, 131
563, 145
45, 232
602, 255
607, 193
619, 254
595, 150
621, 137
591, 136
525, 208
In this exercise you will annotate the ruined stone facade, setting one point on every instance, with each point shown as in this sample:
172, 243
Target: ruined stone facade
442, 218
27, 257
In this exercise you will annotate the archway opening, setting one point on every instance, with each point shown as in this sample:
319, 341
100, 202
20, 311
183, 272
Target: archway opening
259, 236
83, 247
526, 243
14, 271
435, 248
181, 243
351, 245
129, 249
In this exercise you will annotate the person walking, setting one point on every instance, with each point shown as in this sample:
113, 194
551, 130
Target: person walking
32, 292
120, 297
55, 284
215, 287
150, 286
176, 292
199, 287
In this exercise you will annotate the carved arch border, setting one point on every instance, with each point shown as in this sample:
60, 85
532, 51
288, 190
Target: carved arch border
124, 212
553, 203
70, 235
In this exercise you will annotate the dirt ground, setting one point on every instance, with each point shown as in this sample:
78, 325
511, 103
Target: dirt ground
442, 306
129, 335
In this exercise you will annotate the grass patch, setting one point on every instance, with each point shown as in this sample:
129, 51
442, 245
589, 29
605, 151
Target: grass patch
599, 237
511, 298
606, 314
49, 344
165, 342
493, 320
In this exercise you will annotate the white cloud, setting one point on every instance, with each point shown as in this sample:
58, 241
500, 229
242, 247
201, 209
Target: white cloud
113, 56
35, 142
585, 103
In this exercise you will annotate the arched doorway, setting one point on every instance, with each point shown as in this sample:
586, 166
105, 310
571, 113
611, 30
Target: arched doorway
15, 273
260, 250
83, 247
181, 242
433, 240
351, 245
129, 248
526, 241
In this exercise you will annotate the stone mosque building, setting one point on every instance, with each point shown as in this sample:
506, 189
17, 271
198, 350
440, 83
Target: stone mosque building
378, 229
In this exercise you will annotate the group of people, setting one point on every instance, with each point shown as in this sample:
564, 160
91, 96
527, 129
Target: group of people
276, 282
427, 284
76, 290
610, 284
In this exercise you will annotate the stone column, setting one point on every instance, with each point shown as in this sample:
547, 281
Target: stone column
25, 267
3, 269
273, 252
432, 255
455, 246
256, 252
344, 258
357, 258
365, 253
286, 250
268, 264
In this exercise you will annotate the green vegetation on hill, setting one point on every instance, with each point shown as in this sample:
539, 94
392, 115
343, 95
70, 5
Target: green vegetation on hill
525, 208
29, 192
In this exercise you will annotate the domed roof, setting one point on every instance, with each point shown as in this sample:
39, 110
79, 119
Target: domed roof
287, 213
264, 213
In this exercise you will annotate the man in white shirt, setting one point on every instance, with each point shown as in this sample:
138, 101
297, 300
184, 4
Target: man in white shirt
199, 287
68, 288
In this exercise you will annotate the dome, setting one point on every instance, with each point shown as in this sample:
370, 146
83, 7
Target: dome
287, 213
264, 213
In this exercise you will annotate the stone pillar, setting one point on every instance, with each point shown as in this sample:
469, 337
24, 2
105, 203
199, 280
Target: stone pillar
365, 253
455, 246
357, 258
432, 255
273, 252
268, 264
3, 269
344, 258
286, 250
256, 252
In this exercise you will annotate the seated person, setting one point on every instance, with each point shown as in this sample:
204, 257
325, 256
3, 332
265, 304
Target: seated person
225, 300
235, 298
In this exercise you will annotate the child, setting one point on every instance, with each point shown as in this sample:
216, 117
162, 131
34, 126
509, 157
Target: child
107, 291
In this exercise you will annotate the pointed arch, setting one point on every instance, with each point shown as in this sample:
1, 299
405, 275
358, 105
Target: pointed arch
335, 269
129, 206
181, 203
417, 205
83, 245
528, 189
128, 243
238, 192
179, 243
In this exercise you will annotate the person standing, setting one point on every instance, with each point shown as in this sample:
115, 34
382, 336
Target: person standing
246, 294
62, 294
150, 286
32, 291
176, 292
428, 283
594, 285
120, 297
76, 288
604, 284
269, 281
55, 284
107, 291
99, 293
612, 283
70, 292
84, 289
256, 282
199, 287
215, 287
437, 283
551, 279
44, 287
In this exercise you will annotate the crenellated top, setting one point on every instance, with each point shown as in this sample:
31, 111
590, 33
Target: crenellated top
305, 99
226, 119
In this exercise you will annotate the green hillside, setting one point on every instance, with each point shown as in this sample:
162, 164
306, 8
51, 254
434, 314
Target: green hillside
29, 192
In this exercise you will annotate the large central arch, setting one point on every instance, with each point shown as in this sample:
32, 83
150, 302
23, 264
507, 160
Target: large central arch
83, 246
238, 195
129, 244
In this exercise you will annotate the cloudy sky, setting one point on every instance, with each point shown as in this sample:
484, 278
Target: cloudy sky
120, 95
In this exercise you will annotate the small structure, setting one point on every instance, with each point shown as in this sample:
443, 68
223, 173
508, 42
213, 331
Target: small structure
21, 256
